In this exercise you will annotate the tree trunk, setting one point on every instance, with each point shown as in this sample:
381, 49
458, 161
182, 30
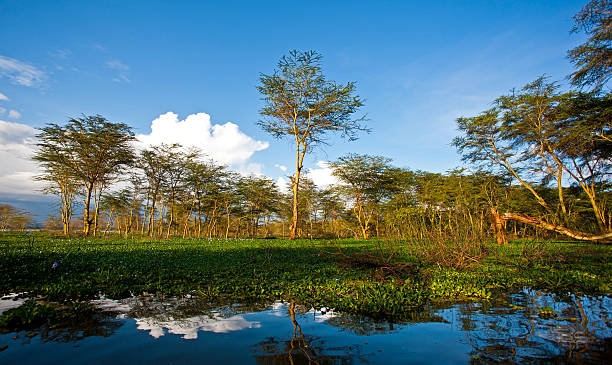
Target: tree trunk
171, 213
66, 208
294, 218
227, 212
86, 216
97, 197
499, 227
539, 223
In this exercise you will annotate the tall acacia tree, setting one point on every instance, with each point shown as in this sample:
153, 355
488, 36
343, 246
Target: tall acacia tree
302, 104
50, 154
593, 59
155, 162
92, 150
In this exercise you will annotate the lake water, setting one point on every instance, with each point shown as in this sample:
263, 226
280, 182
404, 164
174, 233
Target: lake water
528, 326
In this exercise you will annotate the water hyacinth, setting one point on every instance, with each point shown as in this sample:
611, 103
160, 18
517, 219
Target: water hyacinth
307, 271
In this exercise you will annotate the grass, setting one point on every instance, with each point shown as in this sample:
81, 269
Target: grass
309, 272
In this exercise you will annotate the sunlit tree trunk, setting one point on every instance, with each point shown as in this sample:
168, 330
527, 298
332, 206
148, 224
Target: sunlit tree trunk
498, 226
97, 197
227, 215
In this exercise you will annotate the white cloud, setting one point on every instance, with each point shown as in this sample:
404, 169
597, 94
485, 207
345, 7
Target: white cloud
189, 327
3, 97
17, 169
322, 176
249, 169
20, 73
282, 185
162, 322
281, 167
2, 110
14, 114
224, 143
122, 69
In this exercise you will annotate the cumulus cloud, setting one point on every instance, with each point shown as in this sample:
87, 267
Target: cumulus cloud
3, 97
283, 185
17, 169
14, 114
225, 143
249, 169
20, 73
322, 176
189, 327
2, 110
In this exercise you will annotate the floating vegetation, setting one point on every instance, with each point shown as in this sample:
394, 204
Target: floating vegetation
368, 278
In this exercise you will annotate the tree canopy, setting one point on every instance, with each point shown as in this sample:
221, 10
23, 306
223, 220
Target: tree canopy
90, 150
593, 59
540, 132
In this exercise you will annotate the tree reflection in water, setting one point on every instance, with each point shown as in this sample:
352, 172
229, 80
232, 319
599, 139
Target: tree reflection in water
303, 349
538, 327
525, 327
75, 330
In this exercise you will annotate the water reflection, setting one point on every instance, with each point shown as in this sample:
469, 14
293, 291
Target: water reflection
534, 326
11, 301
176, 316
528, 326
302, 349
77, 331
69, 330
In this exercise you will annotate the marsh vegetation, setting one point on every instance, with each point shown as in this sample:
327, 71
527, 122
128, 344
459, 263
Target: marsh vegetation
521, 232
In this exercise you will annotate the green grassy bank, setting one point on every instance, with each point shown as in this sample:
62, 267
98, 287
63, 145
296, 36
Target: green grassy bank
314, 273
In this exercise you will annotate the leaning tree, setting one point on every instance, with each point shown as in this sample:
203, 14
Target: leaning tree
540, 132
302, 104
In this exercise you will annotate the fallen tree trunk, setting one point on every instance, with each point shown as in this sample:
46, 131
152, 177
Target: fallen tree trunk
581, 236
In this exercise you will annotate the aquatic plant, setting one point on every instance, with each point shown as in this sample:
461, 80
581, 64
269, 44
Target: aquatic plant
306, 271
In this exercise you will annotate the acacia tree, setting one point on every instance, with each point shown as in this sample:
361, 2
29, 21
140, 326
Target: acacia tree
175, 179
261, 199
366, 181
200, 175
56, 175
91, 150
593, 59
302, 104
155, 162
539, 132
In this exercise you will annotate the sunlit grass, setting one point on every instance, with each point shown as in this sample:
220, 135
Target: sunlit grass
309, 272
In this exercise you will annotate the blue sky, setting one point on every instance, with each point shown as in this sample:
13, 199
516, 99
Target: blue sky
419, 65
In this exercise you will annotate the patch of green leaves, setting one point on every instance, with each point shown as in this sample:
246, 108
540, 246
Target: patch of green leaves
303, 270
